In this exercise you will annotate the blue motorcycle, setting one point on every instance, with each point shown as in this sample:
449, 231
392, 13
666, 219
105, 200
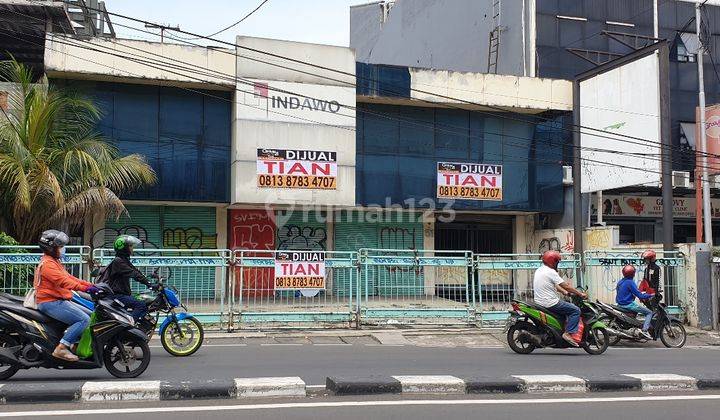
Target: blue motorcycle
181, 334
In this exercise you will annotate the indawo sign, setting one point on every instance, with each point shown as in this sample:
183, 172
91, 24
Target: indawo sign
297, 103
302, 169
469, 181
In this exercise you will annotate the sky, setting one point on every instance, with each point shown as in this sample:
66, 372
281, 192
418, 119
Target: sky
317, 21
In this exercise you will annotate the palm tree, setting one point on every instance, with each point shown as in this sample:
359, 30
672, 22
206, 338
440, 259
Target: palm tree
55, 168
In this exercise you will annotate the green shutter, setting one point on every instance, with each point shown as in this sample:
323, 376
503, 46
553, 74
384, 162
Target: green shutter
352, 233
299, 230
172, 227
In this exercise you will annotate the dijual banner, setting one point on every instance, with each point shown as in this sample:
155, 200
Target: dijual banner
469, 181
296, 169
297, 270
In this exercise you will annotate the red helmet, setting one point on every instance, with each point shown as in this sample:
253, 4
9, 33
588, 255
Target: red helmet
628, 272
551, 259
649, 255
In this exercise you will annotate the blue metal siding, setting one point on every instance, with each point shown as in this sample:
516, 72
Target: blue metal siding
398, 148
184, 135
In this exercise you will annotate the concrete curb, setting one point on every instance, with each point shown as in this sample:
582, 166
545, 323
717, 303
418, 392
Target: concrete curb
294, 387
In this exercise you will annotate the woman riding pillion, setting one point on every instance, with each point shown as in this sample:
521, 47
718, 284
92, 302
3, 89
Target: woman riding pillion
118, 273
627, 291
53, 291
545, 283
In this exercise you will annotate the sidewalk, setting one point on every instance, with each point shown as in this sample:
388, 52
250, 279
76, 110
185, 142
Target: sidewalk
421, 337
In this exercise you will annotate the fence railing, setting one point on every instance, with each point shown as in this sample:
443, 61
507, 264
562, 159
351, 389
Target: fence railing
200, 275
18, 263
416, 286
603, 270
505, 277
256, 299
236, 289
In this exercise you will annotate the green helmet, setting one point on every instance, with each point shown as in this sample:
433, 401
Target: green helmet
123, 243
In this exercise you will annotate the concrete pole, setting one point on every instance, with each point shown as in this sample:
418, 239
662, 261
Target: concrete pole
656, 24
666, 145
703, 137
577, 174
599, 207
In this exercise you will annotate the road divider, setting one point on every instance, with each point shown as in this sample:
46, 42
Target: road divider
295, 387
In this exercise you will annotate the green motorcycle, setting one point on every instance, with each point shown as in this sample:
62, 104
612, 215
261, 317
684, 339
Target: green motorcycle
531, 326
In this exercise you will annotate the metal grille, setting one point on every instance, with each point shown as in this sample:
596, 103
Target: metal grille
18, 263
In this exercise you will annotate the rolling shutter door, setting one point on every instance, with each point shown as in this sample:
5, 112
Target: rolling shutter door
351, 234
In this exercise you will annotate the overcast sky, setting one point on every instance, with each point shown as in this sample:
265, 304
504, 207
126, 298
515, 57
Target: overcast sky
318, 21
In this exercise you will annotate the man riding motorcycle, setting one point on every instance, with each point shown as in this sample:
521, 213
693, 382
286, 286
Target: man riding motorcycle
627, 291
118, 273
545, 284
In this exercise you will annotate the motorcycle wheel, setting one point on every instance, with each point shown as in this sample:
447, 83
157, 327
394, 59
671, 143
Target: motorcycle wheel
7, 370
127, 356
596, 341
673, 335
186, 344
517, 345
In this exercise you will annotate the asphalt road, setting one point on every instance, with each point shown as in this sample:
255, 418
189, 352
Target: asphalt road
313, 363
637, 406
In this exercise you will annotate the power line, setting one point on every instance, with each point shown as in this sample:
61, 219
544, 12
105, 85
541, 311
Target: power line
502, 155
384, 116
615, 135
234, 24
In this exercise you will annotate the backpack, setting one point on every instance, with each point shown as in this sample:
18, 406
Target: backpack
30, 301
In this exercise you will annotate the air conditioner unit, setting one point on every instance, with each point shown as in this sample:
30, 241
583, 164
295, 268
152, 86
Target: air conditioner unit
567, 175
680, 179
714, 181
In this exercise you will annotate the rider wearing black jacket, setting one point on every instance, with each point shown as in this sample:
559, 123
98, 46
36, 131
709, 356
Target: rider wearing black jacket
118, 273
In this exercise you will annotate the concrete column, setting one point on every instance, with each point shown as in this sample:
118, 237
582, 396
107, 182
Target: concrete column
221, 229
698, 293
522, 232
428, 222
329, 244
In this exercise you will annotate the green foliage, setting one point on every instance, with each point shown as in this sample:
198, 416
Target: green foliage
14, 278
55, 168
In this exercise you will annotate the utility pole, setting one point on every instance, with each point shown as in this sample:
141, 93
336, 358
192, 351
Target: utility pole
703, 136
656, 24
666, 145
162, 29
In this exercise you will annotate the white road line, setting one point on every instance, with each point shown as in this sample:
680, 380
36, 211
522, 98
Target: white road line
399, 403
281, 344
314, 386
210, 345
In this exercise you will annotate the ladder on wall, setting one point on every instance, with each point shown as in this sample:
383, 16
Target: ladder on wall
494, 45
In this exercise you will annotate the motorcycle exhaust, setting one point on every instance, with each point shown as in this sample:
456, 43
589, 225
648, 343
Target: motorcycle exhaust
619, 333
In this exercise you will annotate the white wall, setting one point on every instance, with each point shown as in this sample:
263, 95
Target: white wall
443, 34
260, 122
114, 60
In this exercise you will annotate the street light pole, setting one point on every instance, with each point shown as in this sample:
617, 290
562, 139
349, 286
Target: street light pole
703, 136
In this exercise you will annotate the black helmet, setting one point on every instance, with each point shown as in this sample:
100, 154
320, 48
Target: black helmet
51, 240
123, 243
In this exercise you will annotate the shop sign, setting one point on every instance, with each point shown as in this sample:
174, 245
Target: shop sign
469, 181
650, 207
296, 169
298, 270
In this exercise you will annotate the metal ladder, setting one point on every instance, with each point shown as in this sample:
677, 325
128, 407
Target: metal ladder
494, 44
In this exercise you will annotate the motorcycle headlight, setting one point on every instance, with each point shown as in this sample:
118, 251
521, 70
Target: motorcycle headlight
117, 316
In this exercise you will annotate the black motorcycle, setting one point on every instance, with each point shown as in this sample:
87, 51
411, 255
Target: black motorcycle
28, 338
623, 324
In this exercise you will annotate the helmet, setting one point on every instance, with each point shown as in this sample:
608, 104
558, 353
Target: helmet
123, 243
649, 255
51, 240
628, 271
551, 259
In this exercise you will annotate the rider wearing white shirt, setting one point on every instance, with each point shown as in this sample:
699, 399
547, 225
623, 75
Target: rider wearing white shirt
545, 284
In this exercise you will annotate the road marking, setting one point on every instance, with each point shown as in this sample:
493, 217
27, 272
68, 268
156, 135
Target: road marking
314, 386
281, 344
552, 383
250, 407
332, 344
210, 345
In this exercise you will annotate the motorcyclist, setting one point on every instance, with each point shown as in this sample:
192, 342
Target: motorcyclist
53, 292
627, 291
545, 284
118, 273
651, 278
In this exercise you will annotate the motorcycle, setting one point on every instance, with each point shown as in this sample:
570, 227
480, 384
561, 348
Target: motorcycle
624, 324
181, 334
28, 338
532, 326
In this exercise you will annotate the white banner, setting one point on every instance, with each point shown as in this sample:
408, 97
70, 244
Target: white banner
469, 181
298, 270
